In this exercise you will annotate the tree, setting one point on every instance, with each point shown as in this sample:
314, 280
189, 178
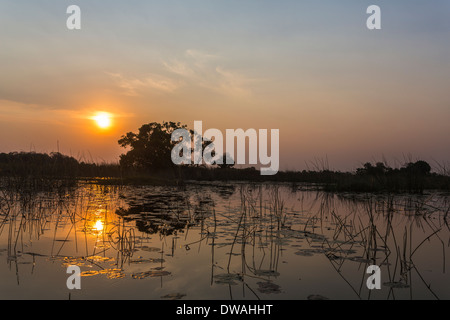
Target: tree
151, 147
420, 167
416, 175
378, 170
227, 161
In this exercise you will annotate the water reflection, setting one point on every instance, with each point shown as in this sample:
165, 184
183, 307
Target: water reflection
167, 212
239, 241
98, 226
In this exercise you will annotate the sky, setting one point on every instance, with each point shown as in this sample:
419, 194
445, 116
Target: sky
338, 92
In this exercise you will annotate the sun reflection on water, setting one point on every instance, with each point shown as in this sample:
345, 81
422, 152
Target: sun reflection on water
98, 226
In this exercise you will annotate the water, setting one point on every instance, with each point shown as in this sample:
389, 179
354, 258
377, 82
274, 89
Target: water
222, 241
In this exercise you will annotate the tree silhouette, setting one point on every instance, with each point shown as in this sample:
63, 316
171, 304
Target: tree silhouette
418, 168
151, 147
227, 162
377, 170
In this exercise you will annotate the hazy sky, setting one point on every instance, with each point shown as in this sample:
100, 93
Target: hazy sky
311, 69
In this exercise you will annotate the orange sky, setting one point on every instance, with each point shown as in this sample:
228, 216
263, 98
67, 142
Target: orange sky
334, 89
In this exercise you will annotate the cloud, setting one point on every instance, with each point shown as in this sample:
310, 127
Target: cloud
180, 68
204, 70
233, 83
17, 112
194, 69
135, 86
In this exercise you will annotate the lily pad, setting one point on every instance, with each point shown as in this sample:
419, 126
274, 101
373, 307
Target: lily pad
396, 285
150, 249
150, 274
308, 252
99, 258
267, 273
317, 297
268, 287
360, 259
227, 278
89, 273
70, 261
173, 296
113, 273
150, 260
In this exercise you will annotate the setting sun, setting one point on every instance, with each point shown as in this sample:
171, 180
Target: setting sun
103, 120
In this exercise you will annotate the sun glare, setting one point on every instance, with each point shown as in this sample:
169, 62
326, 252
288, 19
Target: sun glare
98, 226
103, 120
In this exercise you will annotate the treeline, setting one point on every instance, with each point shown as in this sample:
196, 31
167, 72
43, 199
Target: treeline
412, 177
53, 165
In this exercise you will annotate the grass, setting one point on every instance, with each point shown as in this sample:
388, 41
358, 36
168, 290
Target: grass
347, 231
36, 170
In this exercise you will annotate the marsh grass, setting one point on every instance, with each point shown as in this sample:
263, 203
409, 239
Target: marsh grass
27, 215
249, 238
384, 245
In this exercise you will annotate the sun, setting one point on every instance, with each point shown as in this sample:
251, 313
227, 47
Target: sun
103, 120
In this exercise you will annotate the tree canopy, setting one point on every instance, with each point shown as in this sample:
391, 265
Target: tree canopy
151, 147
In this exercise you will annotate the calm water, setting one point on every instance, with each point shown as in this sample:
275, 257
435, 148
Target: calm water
222, 241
